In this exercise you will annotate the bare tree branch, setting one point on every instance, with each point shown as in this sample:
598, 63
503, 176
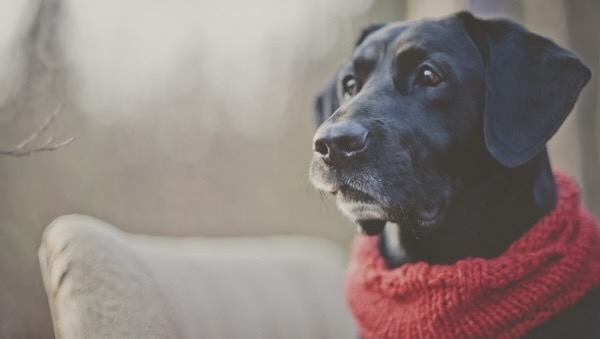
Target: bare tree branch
20, 150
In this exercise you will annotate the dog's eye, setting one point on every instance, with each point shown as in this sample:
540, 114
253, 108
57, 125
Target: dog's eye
349, 87
428, 77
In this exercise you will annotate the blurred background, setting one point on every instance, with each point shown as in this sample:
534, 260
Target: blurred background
194, 117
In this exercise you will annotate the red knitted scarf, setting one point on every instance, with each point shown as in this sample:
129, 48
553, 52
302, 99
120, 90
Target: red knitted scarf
545, 271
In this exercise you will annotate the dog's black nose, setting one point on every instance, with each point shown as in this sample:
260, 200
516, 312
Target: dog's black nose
334, 142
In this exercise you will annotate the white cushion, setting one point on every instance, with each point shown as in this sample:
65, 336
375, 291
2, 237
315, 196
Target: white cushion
105, 283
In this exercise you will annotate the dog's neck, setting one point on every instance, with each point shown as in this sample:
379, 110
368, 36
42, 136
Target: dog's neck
495, 206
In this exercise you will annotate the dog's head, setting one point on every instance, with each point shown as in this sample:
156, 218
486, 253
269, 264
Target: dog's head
423, 106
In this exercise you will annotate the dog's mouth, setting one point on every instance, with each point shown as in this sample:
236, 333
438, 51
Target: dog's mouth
372, 215
371, 227
363, 209
368, 203
428, 212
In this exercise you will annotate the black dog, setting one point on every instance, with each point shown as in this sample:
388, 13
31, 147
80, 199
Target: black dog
440, 127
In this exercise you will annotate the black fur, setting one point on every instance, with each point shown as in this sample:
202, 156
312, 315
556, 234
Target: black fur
461, 167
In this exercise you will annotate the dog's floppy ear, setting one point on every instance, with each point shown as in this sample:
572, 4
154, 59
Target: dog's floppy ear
368, 30
531, 86
327, 101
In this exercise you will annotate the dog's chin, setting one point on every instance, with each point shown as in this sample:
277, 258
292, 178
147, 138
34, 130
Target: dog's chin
371, 216
371, 209
366, 213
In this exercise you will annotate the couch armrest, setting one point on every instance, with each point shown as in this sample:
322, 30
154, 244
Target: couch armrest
105, 283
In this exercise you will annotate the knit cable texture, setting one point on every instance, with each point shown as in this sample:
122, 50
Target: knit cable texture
546, 270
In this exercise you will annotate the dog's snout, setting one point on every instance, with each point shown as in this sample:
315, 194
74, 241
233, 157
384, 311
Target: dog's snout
334, 142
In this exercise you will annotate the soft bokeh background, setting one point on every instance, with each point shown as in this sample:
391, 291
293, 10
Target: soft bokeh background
194, 117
